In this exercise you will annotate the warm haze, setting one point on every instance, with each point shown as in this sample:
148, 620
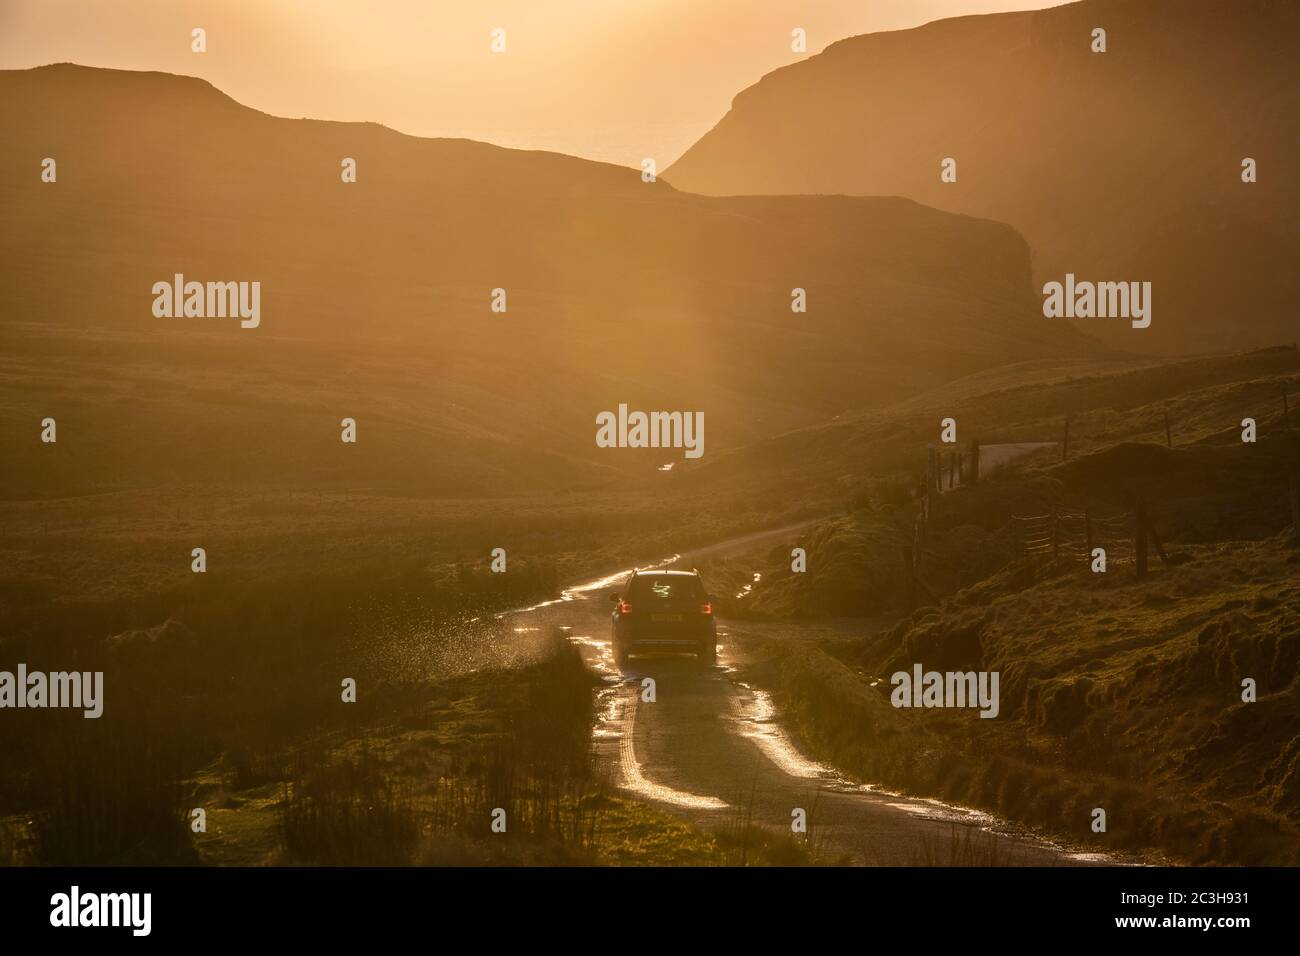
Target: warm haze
611, 81
416, 499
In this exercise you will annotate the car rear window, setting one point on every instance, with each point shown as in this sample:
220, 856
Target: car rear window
666, 588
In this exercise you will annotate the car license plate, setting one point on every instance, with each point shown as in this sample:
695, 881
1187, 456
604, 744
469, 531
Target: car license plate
665, 617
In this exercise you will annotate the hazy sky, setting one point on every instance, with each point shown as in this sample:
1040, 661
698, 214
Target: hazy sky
616, 80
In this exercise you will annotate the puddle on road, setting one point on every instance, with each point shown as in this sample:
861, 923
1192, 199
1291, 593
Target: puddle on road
616, 720
635, 781
596, 655
928, 809
754, 714
756, 717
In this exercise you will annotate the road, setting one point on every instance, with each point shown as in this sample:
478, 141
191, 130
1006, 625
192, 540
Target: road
710, 749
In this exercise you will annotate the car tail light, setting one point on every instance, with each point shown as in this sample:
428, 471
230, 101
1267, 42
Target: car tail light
624, 607
706, 607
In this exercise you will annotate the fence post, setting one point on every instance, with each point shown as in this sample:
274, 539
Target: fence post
1065, 442
1168, 438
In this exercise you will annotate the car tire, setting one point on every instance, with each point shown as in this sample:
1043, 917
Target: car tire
709, 654
620, 655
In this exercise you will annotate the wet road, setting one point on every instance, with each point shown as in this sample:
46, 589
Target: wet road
710, 748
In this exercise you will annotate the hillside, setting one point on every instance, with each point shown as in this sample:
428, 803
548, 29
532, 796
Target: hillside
376, 295
1123, 165
1116, 692
1209, 487
1108, 402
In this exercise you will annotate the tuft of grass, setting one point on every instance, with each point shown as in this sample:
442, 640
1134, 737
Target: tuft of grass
965, 846
347, 812
1111, 696
109, 797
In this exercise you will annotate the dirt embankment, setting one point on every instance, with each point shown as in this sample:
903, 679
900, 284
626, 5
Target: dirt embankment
1126, 696
1115, 693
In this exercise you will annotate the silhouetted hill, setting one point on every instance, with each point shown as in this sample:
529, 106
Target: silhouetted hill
375, 299
1123, 165
1109, 403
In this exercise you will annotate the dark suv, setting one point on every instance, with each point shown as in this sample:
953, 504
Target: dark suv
664, 611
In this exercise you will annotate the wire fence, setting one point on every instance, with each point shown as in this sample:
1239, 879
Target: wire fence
1072, 536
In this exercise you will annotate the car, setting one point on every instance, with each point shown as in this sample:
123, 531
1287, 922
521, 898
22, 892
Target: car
664, 611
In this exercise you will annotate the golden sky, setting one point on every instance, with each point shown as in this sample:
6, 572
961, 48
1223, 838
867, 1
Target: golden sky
616, 80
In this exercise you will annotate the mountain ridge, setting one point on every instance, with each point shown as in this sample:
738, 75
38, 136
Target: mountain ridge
1123, 165
376, 295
